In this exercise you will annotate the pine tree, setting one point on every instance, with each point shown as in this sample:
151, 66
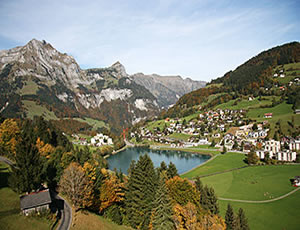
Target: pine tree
230, 218
199, 185
209, 201
27, 175
163, 167
140, 195
162, 212
172, 170
242, 222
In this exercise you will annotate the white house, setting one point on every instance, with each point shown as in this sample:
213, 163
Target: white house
272, 146
294, 145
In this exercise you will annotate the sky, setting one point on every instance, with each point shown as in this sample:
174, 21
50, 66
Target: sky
200, 39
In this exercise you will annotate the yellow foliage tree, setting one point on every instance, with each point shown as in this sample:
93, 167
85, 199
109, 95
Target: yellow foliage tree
9, 136
111, 191
44, 149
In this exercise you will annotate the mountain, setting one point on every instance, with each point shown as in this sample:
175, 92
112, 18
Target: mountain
254, 77
167, 89
36, 79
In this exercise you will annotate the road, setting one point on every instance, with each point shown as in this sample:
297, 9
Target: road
66, 214
261, 201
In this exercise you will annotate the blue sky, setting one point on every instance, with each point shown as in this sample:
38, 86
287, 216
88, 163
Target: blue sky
201, 39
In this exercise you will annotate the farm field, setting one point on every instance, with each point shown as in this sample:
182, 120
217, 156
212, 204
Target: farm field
10, 217
260, 183
220, 163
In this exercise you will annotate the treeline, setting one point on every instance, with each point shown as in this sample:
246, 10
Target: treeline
259, 68
41, 152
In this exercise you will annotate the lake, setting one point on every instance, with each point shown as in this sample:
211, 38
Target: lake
184, 161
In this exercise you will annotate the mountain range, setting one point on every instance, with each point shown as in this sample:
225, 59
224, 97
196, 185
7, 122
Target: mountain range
36, 79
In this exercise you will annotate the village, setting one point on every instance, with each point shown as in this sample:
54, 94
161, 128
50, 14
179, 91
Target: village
228, 130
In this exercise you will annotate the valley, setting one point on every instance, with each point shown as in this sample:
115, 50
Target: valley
196, 148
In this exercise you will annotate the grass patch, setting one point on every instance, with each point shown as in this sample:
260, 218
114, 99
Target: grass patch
84, 220
260, 183
29, 88
154, 124
180, 136
254, 183
282, 214
283, 112
245, 103
96, 124
220, 163
10, 213
33, 109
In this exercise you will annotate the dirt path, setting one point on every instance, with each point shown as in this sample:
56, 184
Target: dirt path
261, 201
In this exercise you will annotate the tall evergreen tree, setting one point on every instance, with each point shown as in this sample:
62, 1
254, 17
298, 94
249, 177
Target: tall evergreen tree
162, 212
242, 222
27, 175
140, 195
209, 201
172, 170
199, 185
230, 218
163, 167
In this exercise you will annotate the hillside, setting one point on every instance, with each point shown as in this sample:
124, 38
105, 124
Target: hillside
254, 77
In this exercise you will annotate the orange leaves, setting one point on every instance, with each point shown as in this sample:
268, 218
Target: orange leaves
111, 191
44, 149
185, 217
9, 135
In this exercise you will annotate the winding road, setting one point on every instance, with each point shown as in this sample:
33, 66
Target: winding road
66, 214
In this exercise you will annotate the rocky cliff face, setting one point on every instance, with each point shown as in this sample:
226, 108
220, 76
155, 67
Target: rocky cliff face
167, 89
38, 75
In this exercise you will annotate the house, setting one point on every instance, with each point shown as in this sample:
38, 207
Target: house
268, 115
294, 145
272, 146
35, 202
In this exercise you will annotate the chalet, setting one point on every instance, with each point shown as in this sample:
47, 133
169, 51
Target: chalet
268, 115
35, 202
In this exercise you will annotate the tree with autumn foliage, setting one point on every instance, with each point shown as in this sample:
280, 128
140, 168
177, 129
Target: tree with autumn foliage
112, 191
76, 185
10, 135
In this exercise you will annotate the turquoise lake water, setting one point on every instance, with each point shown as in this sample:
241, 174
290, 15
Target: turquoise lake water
184, 161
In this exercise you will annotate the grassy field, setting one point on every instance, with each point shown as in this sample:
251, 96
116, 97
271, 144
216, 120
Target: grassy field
260, 183
154, 124
10, 217
246, 104
84, 220
96, 124
281, 214
220, 163
30, 88
254, 183
34, 109
283, 112
180, 136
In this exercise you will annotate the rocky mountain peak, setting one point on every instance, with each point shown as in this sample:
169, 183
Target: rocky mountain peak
120, 69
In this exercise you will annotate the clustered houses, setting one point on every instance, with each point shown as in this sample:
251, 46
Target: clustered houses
225, 128
98, 140
101, 139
